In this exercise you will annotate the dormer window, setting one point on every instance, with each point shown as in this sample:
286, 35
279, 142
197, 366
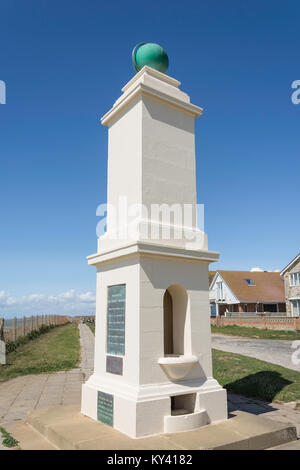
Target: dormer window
249, 282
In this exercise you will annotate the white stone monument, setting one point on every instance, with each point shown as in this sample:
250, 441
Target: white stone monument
153, 364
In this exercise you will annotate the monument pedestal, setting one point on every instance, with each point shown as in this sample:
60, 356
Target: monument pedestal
154, 390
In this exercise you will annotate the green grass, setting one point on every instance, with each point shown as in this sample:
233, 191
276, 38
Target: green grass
8, 440
254, 378
53, 351
11, 346
91, 327
250, 332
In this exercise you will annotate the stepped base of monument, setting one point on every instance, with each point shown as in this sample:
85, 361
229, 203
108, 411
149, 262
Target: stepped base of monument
67, 429
149, 410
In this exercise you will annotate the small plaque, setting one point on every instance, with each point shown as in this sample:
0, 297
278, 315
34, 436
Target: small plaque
105, 408
114, 365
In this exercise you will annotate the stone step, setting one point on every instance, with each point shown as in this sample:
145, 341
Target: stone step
294, 445
66, 428
29, 439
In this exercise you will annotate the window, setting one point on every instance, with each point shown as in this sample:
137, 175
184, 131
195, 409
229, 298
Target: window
213, 310
295, 308
270, 308
249, 282
295, 279
220, 290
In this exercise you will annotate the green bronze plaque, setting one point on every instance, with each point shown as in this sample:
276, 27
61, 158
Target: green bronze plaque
105, 408
116, 299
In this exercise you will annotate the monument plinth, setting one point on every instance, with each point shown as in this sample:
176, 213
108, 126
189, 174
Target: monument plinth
153, 365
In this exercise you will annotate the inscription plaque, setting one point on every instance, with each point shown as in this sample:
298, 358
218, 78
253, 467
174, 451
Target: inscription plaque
105, 408
114, 365
116, 299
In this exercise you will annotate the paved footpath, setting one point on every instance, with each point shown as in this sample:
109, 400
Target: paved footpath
23, 394
283, 413
271, 350
87, 343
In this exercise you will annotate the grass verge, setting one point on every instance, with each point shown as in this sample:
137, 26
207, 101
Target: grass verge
11, 346
91, 327
51, 352
254, 378
250, 332
7, 439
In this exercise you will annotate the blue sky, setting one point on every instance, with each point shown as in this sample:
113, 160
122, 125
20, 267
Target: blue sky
64, 64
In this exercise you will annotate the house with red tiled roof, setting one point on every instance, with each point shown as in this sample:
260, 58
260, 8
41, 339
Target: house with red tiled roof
247, 292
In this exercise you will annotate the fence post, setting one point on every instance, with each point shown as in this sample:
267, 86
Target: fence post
24, 326
2, 329
2, 343
31, 323
14, 329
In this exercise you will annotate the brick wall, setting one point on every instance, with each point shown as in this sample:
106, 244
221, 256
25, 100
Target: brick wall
269, 323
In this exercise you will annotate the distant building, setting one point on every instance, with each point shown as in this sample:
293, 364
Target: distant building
291, 275
246, 292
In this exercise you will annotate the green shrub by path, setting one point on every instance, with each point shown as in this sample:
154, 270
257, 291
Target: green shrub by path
8, 439
251, 332
254, 378
91, 327
56, 350
13, 345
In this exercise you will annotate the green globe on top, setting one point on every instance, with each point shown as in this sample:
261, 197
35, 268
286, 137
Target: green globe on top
150, 54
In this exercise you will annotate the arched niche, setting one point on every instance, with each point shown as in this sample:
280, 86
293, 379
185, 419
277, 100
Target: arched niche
177, 334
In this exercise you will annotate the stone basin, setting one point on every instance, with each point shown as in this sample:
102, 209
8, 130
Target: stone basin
177, 366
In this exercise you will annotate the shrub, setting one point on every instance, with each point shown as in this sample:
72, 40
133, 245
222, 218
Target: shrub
12, 346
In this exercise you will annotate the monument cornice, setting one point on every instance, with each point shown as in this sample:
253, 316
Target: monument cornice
140, 89
152, 249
